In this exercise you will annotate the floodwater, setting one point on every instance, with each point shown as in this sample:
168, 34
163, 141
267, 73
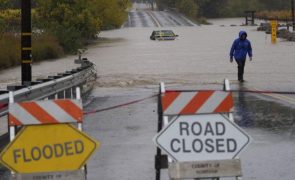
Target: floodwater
39, 70
130, 66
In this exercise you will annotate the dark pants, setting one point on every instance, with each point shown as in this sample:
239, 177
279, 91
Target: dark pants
241, 66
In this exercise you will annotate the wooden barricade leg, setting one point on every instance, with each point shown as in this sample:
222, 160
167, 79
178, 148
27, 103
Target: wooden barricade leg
166, 122
158, 154
11, 129
230, 115
80, 125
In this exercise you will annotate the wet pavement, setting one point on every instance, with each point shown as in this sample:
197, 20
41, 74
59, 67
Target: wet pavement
130, 66
126, 132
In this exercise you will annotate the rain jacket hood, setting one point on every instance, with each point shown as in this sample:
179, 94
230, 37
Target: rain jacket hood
241, 33
241, 48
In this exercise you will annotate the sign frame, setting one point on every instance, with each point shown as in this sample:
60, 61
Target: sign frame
64, 175
205, 169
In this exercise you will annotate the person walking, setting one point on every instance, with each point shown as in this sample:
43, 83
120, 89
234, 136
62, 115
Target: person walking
239, 50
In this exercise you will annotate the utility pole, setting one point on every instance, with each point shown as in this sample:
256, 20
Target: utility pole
26, 43
293, 14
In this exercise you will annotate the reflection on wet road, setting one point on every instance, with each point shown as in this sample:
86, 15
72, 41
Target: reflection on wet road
271, 123
252, 111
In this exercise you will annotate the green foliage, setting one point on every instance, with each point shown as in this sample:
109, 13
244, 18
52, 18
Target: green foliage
44, 47
226, 8
112, 13
4, 4
2, 27
74, 22
162, 4
59, 25
187, 7
11, 20
212, 8
9, 50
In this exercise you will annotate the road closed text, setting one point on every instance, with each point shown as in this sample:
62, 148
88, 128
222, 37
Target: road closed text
48, 151
207, 137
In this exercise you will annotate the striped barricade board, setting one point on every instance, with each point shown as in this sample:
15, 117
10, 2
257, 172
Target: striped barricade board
45, 112
198, 102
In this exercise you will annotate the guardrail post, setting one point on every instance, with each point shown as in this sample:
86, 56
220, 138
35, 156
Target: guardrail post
78, 96
51, 97
80, 125
68, 93
74, 92
61, 95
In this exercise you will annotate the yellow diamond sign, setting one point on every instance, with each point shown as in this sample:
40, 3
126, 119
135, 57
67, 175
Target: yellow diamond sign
48, 148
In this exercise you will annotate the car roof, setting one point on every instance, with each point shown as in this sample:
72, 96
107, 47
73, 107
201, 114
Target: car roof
163, 31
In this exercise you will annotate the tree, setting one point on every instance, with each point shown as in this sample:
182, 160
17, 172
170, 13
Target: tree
162, 4
4, 4
188, 7
212, 8
112, 13
225, 8
74, 22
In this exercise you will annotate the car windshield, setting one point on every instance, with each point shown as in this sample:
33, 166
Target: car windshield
164, 33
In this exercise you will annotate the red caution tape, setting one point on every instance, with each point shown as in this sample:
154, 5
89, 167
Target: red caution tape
2, 106
238, 91
263, 92
119, 106
169, 91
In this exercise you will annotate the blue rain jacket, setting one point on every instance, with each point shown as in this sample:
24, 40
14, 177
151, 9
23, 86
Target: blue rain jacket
240, 48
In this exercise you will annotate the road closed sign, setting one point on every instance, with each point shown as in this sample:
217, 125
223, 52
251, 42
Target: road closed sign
202, 137
48, 148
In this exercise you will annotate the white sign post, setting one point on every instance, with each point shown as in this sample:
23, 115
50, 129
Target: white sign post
201, 138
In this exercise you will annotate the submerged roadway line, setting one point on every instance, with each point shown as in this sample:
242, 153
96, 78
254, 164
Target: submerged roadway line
155, 20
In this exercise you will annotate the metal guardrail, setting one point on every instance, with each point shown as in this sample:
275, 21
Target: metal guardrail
60, 86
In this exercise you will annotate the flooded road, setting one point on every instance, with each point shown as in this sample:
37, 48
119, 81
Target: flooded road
130, 66
39, 70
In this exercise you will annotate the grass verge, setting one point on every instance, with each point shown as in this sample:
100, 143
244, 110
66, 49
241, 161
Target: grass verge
44, 47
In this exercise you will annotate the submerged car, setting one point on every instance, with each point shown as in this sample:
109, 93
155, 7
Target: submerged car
163, 35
